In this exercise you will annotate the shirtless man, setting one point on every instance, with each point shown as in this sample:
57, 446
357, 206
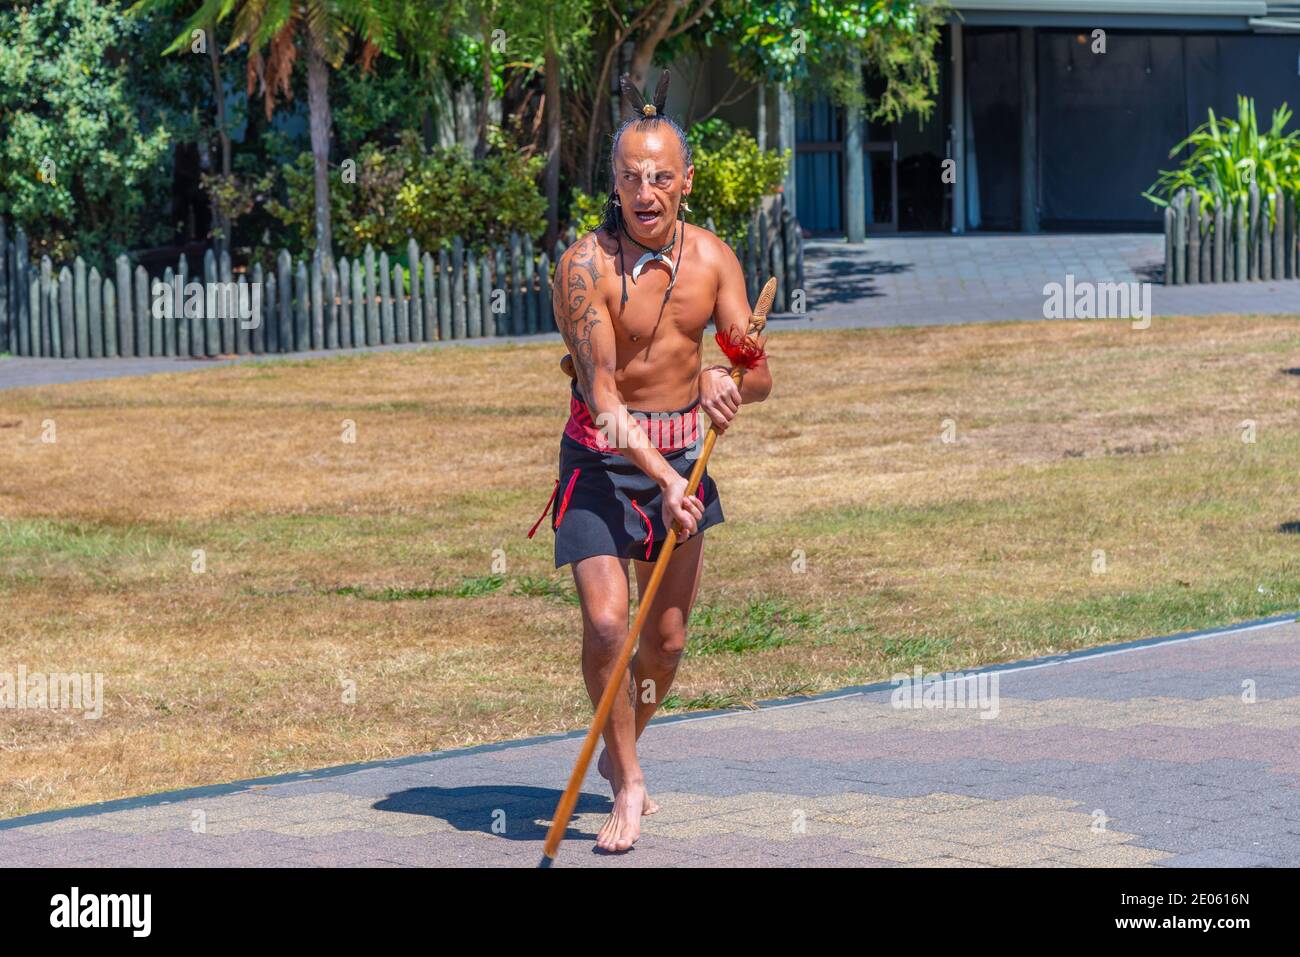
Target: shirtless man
634, 331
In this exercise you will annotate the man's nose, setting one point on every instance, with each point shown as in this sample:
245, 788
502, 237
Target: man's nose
644, 193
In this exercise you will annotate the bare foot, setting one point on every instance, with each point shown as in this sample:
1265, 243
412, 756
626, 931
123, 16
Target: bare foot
623, 826
603, 766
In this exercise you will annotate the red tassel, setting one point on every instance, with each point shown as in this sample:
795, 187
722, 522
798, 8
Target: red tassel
564, 502
545, 510
742, 351
650, 530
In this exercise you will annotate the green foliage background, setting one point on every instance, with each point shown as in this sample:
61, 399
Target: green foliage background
70, 106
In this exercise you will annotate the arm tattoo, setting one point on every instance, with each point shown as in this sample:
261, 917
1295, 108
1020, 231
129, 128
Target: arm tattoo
573, 296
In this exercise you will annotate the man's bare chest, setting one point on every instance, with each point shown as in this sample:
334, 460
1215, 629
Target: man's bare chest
653, 311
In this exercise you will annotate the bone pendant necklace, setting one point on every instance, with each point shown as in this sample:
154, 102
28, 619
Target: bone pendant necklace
650, 255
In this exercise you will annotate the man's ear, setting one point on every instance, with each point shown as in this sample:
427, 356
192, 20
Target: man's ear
690, 179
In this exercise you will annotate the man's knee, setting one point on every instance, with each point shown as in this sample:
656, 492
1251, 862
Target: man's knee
603, 634
665, 646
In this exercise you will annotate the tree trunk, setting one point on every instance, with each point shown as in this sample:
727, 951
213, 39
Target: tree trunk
318, 105
221, 221
480, 148
552, 69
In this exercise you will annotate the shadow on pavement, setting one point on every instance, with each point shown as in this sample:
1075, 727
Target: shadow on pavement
840, 278
478, 808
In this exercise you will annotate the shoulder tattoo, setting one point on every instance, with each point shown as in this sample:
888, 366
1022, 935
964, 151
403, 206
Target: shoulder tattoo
573, 296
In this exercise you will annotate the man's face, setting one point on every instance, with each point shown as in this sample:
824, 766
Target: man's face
651, 182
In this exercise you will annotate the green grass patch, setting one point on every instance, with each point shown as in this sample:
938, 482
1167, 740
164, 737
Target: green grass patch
468, 588
758, 626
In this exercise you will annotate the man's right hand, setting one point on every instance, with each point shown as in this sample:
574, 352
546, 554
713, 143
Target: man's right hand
679, 510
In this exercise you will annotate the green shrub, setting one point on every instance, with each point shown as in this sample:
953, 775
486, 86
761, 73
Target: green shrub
1228, 155
399, 192
732, 175
586, 212
78, 168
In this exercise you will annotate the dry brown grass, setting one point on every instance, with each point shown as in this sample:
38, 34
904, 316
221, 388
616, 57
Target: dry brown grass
1070, 437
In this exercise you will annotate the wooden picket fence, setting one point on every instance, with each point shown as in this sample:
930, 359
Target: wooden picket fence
454, 294
1255, 239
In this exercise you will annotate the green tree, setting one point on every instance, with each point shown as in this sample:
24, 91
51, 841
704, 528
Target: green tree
77, 166
276, 32
823, 45
562, 30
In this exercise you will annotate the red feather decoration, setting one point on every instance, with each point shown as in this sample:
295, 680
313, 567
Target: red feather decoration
744, 352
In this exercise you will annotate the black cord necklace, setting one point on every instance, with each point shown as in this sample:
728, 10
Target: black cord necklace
651, 255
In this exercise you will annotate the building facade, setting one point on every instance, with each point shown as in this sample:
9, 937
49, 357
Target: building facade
1054, 115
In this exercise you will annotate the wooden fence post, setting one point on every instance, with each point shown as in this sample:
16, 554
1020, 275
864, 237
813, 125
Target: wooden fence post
21, 280
457, 288
345, 303
444, 296
67, 324
282, 340
358, 305
1252, 234
80, 312
171, 327
372, 304
125, 317
1279, 235
240, 323
473, 308
226, 322
110, 319
500, 320
402, 321
144, 315
429, 331
301, 309
386, 329
1240, 245
545, 305
517, 316
317, 301
1192, 273
530, 295
211, 342
332, 287
487, 319
266, 304
417, 308
95, 309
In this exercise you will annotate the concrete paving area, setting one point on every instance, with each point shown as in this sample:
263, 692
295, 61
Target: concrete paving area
942, 280
1169, 752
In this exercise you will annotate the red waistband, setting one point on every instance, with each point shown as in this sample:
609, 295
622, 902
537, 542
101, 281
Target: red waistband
667, 431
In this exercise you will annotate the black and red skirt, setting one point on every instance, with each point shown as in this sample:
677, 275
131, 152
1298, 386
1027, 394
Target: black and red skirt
607, 505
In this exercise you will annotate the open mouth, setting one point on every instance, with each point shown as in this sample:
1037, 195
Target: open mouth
646, 217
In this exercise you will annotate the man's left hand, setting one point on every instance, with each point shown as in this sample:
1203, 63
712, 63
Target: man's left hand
719, 396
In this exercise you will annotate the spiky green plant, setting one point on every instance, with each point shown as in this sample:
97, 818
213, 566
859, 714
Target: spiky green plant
1228, 155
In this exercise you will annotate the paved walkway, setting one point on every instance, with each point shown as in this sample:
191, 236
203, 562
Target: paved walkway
887, 281
940, 280
1138, 754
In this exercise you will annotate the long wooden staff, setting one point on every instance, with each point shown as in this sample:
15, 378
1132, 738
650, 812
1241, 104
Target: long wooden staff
743, 352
